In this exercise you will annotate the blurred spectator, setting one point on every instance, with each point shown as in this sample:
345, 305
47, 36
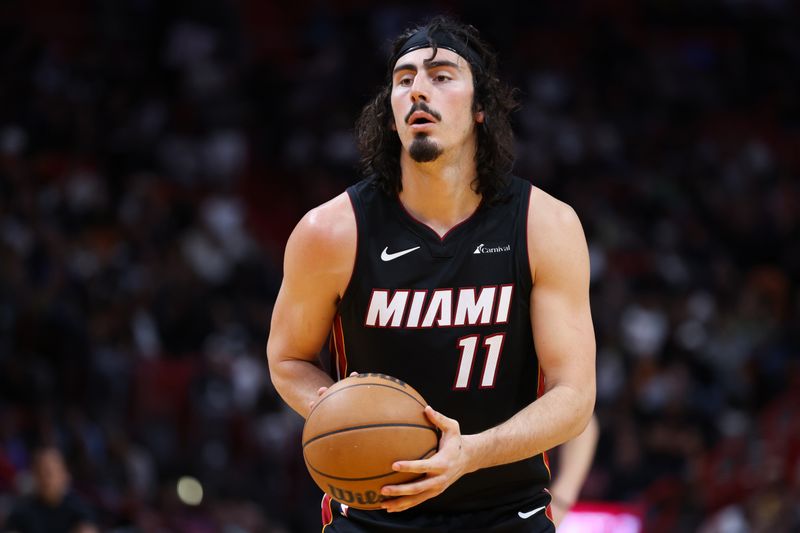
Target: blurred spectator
53, 507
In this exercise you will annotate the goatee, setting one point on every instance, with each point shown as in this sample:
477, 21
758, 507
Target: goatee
424, 150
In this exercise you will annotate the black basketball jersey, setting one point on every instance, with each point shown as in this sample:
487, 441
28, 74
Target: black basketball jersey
451, 317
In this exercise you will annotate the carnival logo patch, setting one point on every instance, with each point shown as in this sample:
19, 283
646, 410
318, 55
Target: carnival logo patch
492, 249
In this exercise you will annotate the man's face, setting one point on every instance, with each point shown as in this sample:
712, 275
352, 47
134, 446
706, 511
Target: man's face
432, 102
52, 478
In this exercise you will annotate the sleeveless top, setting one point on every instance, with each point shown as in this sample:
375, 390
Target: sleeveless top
451, 317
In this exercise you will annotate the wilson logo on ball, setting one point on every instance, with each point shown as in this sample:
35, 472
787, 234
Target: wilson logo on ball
349, 497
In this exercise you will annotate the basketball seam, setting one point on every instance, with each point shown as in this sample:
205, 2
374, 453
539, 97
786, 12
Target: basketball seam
320, 472
368, 426
363, 385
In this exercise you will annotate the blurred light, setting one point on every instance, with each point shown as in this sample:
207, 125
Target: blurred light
643, 330
190, 491
597, 262
691, 335
13, 140
602, 518
701, 305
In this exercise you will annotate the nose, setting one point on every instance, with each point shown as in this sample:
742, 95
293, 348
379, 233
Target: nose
420, 89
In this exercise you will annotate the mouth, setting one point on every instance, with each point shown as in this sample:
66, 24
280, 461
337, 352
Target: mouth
420, 118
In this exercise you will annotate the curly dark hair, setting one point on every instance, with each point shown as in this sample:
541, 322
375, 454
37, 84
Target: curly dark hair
380, 146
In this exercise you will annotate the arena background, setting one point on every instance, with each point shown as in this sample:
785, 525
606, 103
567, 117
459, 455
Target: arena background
155, 155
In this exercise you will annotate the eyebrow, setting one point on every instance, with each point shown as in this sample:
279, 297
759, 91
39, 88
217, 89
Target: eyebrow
428, 64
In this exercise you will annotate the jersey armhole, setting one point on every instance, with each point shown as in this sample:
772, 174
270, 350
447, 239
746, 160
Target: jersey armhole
526, 207
351, 195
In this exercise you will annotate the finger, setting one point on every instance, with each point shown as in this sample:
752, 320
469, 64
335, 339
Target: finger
353, 374
320, 392
402, 503
410, 489
442, 422
420, 466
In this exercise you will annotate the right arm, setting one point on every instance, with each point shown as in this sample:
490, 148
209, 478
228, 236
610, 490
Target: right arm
318, 264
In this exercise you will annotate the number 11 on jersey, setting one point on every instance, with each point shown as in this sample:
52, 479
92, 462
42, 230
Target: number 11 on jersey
468, 346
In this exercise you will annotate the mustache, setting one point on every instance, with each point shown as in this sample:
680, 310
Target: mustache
422, 106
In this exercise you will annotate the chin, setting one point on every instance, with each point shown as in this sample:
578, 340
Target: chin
424, 150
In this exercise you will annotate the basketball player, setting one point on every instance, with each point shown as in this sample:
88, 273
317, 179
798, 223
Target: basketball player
445, 271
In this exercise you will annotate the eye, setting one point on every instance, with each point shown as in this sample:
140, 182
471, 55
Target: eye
405, 81
441, 77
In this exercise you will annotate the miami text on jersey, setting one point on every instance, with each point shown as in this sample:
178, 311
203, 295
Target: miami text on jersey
438, 308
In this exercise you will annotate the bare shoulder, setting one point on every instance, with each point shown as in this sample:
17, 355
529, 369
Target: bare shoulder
548, 212
323, 244
555, 233
330, 224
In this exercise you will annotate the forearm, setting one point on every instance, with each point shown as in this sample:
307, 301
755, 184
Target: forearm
297, 381
559, 415
575, 460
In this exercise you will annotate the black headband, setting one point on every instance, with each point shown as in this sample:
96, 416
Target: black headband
440, 39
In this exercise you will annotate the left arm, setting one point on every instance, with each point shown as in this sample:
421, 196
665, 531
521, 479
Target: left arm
564, 340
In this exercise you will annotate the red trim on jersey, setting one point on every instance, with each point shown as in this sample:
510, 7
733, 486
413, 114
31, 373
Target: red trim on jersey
548, 512
540, 384
527, 222
539, 392
327, 513
546, 460
339, 353
332, 353
355, 255
541, 380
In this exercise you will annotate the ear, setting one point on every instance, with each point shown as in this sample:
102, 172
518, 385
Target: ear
480, 117
392, 125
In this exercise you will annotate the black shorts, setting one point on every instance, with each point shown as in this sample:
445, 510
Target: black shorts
532, 516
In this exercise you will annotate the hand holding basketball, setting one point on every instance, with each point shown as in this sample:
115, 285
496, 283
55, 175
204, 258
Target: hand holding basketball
357, 429
440, 470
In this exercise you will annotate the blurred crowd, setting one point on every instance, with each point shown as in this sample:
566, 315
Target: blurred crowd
154, 156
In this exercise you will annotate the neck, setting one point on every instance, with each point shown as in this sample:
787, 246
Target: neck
440, 193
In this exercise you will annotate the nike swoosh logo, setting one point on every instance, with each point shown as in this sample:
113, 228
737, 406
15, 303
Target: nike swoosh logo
529, 513
386, 256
